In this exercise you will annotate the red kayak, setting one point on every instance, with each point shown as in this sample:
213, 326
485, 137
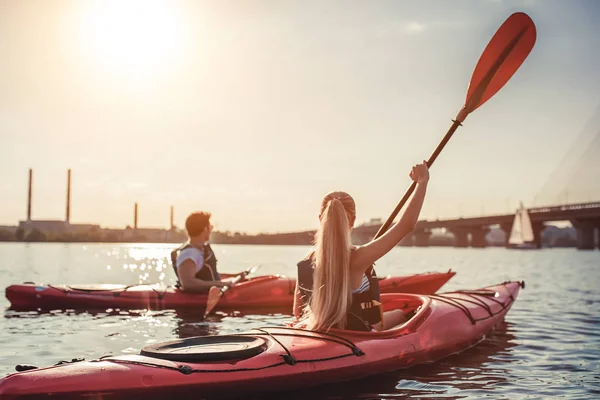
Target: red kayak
277, 358
272, 292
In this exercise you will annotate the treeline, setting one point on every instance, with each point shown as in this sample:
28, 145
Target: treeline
295, 238
35, 235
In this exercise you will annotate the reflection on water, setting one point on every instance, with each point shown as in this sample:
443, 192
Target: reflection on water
190, 324
549, 347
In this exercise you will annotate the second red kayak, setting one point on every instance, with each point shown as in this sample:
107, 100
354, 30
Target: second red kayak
255, 293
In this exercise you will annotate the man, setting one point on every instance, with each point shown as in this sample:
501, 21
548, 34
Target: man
194, 262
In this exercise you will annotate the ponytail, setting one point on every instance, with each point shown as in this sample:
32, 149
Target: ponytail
332, 294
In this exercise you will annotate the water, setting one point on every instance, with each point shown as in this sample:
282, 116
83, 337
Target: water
548, 347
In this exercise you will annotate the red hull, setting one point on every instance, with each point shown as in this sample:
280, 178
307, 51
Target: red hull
441, 326
261, 292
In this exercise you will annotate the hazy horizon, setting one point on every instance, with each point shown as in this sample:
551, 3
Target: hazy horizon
254, 110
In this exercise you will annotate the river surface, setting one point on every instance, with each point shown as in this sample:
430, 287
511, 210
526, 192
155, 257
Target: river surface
549, 346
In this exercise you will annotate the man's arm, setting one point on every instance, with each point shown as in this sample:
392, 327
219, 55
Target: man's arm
187, 276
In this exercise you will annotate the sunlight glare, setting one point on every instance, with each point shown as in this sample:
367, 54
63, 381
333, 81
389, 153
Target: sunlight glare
137, 38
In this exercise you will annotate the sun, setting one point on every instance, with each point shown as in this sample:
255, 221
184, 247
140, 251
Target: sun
136, 38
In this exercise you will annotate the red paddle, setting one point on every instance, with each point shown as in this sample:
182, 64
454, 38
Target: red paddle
505, 53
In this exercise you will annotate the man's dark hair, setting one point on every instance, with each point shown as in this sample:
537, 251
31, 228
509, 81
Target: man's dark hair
196, 222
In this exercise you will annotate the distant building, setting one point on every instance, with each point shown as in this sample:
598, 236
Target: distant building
65, 230
55, 226
44, 226
83, 228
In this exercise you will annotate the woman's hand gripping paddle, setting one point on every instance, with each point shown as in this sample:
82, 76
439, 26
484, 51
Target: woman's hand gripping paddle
215, 293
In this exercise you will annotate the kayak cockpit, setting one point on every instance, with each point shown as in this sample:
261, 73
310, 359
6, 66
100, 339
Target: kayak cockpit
416, 308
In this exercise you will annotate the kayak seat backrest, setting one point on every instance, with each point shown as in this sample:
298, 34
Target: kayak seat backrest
416, 309
207, 348
406, 303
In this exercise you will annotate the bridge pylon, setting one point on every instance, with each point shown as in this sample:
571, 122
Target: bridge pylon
585, 232
461, 236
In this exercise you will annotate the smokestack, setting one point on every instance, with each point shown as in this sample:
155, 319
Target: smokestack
29, 195
172, 226
69, 195
135, 209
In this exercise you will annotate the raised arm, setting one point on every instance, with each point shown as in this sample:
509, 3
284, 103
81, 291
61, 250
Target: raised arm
366, 255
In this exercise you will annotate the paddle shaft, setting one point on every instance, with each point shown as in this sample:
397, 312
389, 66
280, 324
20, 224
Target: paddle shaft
412, 187
234, 281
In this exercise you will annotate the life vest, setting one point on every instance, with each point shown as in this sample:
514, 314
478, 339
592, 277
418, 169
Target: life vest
208, 272
365, 309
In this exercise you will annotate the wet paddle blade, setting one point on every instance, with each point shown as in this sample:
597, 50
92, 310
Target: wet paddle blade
504, 54
214, 295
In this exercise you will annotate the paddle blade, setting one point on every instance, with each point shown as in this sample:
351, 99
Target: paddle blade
504, 54
253, 270
214, 295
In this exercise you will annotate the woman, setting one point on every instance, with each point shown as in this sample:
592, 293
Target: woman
338, 280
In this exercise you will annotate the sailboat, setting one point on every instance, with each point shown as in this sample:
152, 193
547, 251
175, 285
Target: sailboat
521, 234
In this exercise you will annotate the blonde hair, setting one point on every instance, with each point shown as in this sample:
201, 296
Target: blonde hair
332, 293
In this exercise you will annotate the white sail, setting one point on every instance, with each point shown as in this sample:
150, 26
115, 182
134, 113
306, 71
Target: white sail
526, 228
522, 231
516, 237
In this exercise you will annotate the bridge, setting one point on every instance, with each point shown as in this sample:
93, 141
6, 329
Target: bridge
585, 217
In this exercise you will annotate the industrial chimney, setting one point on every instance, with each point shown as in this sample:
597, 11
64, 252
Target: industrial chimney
68, 195
172, 226
135, 210
29, 195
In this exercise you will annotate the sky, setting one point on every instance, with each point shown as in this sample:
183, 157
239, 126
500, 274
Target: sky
253, 110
